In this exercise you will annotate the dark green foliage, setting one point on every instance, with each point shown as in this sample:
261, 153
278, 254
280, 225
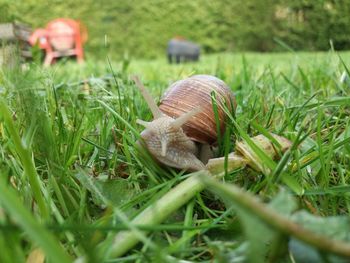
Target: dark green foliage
308, 24
7, 14
143, 28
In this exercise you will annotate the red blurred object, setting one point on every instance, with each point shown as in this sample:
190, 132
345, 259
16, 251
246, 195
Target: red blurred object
39, 36
62, 37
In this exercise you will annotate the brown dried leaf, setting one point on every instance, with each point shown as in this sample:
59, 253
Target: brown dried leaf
36, 256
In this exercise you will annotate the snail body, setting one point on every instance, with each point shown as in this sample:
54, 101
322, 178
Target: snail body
170, 145
185, 119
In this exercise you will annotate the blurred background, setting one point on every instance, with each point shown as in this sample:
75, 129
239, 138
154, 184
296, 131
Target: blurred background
142, 29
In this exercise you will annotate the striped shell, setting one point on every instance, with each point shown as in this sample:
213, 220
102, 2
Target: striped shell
193, 92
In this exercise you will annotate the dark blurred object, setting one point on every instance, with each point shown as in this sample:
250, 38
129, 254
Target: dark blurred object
182, 50
14, 40
62, 37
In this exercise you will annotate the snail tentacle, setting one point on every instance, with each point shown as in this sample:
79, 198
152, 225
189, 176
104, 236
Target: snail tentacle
185, 117
149, 100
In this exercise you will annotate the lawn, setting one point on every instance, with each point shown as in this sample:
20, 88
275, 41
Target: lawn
75, 185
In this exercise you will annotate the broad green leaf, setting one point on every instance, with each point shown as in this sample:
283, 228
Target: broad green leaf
118, 191
114, 191
304, 253
260, 235
336, 227
292, 183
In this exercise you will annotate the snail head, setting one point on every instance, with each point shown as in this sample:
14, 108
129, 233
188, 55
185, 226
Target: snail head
163, 131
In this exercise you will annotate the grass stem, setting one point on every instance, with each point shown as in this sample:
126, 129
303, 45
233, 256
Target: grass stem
158, 212
25, 156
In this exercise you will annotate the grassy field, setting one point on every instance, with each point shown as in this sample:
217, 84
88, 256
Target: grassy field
74, 186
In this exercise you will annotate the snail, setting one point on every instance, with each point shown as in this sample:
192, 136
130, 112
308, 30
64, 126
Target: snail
184, 124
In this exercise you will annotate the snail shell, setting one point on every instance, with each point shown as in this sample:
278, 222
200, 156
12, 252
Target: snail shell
194, 92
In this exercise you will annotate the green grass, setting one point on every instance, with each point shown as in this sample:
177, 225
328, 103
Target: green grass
72, 176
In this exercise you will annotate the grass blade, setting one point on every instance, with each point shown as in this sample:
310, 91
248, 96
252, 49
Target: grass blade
26, 158
12, 204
